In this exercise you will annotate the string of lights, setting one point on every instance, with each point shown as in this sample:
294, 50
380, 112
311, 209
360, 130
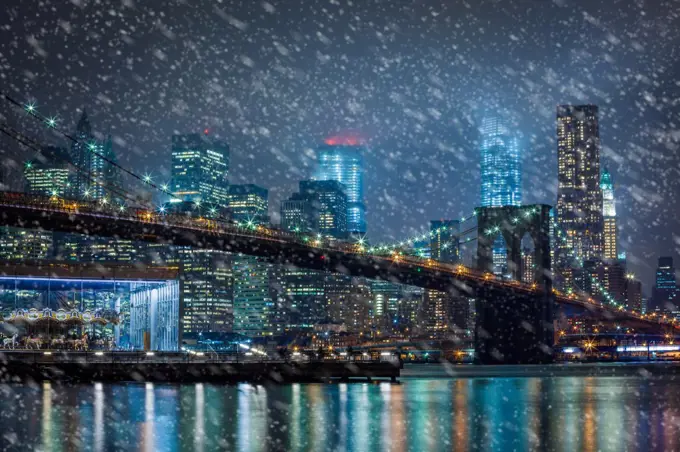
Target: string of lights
594, 281
51, 123
390, 247
36, 146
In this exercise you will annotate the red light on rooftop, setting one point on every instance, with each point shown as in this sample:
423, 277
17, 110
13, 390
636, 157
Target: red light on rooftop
206, 131
344, 140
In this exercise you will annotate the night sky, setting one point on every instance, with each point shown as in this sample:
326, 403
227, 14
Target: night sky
413, 78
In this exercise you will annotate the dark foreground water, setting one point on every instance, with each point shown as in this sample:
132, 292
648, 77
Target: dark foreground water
420, 414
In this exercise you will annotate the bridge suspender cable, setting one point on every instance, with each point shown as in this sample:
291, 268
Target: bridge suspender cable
34, 145
51, 123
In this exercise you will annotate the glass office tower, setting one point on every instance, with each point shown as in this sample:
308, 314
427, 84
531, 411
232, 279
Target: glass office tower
342, 160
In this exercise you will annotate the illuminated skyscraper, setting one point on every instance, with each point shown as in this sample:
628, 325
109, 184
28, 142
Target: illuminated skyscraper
298, 214
48, 173
501, 176
609, 216
248, 204
96, 177
444, 240
666, 289
254, 297
341, 159
579, 196
329, 201
500, 164
206, 286
200, 166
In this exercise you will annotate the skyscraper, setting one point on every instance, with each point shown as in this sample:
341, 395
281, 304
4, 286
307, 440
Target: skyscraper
96, 177
501, 176
206, 286
579, 195
609, 216
633, 294
666, 289
298, 214
329, 201
341, 159
254, 297
200, 166
444, 236
48, 173
248, 204
500, 164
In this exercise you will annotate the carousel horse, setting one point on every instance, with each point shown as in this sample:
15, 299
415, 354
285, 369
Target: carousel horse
57, 343
10, 341
33, 342
80, 344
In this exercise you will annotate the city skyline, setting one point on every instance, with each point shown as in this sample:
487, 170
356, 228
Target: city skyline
604, 183
419, 107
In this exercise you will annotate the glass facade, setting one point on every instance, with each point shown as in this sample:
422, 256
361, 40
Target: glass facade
254, 297
91, 293
329, 202
298, 215
248, 204
666, 289
579, 195
500, 164
501, 175
154, 317
206, 288
200, 167
48, 173
344, 163
95, 178
302, 294
25, 244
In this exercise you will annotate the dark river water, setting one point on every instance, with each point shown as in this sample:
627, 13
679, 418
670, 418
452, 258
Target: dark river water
419, 414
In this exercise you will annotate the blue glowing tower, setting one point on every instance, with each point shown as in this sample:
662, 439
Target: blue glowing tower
341, 159
501, 175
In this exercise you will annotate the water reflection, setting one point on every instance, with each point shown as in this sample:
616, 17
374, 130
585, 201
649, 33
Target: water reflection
561, 414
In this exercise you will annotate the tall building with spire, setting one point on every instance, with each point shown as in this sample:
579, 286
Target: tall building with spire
501, 175
579, 194
609, 217
341, 159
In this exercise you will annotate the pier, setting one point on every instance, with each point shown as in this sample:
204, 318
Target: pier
74, 367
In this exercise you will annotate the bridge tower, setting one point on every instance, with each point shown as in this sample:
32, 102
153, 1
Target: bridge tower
515, 327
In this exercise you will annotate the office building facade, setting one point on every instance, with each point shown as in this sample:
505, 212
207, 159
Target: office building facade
48, 173
665, 290
248, 204
298, 215
342, 161
329, 203
579, 193
200, 169
206, 288
95, 176
501, 176
255, 299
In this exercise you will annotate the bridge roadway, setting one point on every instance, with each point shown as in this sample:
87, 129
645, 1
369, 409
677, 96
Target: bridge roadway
273, 245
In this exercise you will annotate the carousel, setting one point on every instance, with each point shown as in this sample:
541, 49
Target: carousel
60, 330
